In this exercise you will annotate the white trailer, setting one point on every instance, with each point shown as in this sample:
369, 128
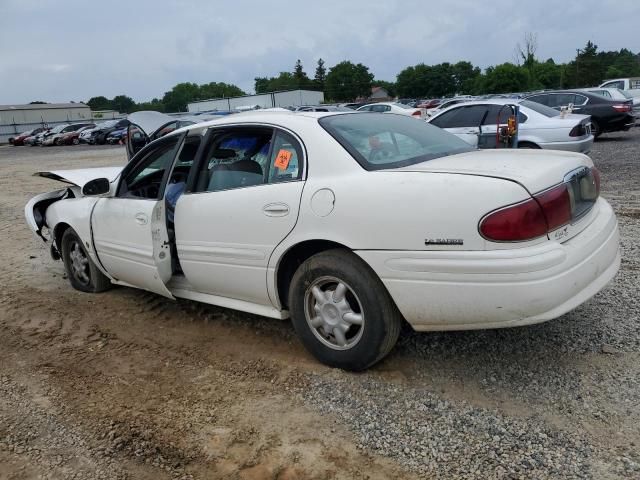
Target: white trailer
287, 98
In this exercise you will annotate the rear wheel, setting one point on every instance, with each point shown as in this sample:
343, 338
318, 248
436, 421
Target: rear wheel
342, 312
75, 141
596, 131
81, 271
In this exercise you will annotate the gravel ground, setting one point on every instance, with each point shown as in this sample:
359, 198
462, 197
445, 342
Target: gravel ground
130, 385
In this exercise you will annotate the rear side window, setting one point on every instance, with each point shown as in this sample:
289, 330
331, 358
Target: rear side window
469, 116
390, 141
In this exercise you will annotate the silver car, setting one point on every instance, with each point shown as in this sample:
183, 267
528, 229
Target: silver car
539, 126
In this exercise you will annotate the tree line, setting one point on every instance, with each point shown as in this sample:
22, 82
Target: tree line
347, 81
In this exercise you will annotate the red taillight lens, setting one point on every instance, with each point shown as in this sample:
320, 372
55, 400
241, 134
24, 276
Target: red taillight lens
577, 131
417, 113
523, 221
546, 211
556, 206
622, 108
596, 178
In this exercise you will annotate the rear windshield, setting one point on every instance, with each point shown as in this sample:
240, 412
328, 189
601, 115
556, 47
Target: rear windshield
541, 109
391, 141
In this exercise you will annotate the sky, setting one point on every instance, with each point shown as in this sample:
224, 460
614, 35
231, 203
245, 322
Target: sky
71, 50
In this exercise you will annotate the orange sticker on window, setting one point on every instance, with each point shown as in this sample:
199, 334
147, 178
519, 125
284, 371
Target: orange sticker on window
282, 159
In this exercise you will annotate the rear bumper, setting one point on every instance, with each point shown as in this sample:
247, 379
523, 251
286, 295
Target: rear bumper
458, 290
579, 146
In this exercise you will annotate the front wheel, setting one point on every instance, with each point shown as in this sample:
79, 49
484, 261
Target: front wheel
81, 271
342, 312
596, 131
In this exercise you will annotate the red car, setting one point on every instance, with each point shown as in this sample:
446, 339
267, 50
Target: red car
19, 140
429, 103
73, 138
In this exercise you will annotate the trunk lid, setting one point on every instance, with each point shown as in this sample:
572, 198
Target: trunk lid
536, 170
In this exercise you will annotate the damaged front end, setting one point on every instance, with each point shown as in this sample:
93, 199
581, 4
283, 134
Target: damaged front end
35, 214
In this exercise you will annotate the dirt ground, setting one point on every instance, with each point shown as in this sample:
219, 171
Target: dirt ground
129, 385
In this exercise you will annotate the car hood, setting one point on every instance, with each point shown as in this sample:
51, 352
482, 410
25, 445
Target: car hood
536, 170
81, 176
150, 121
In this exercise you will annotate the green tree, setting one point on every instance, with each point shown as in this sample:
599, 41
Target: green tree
347, 81
99, 103
390, 87
547, 75
123, 104
176, 99
300, 78
219, 90
464, 77
506, 78
155, 104
321, 75
261, 84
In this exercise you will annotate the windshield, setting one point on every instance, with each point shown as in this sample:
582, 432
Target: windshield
58, 128
625, 93
391, 141
541, 109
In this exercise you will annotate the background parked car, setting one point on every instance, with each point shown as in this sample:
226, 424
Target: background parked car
54, 137
19, 140
36, 139
322, 108
630, 85
446, 104
73, 138
617, 94
606, 115
539, 126
116, 136
99, 134
393, 107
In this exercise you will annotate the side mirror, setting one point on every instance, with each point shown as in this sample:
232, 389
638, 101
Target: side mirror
98, 186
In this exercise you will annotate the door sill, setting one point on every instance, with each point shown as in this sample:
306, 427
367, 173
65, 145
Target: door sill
180, 287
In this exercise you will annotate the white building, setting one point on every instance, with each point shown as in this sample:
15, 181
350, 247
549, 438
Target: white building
286, 98
19, 118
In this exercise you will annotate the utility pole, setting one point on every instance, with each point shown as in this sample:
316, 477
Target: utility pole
577, 68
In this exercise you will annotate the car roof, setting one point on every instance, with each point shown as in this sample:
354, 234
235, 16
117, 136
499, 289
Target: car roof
284, 118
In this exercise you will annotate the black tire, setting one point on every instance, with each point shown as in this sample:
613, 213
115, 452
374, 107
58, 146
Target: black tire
75, 141
528, 145
381, 320
596, 131
95, 280
57, 142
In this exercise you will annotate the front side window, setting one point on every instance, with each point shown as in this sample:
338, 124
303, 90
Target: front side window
144, 179
390, 141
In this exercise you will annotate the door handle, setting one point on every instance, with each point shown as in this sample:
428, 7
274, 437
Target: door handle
276, 210
141, 219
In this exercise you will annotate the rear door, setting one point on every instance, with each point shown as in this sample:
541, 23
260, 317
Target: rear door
463, 121
243, 203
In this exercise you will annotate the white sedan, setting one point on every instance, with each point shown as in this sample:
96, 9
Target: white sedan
539, 126
394, 107
349, 223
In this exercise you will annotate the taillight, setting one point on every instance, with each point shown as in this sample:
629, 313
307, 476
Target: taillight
622, 107
545, 211
556, 206
516, 223
577, 131
417, 113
